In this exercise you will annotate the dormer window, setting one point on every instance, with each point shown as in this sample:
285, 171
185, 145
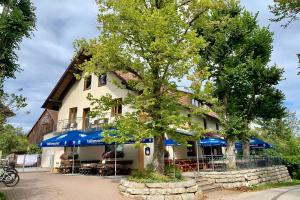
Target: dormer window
102, 80
196, 103
87, 83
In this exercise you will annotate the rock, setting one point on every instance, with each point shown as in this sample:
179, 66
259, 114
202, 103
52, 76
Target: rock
188, 196
157, 191
156, 185
141, 191
131, 184
192, 189
199, 194
155, 197
173, 197
176, 190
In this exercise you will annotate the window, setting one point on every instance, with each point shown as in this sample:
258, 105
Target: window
196, 103
73, 114
87, 83
117, 107
191, 148
204, 123
217, 126
102, 80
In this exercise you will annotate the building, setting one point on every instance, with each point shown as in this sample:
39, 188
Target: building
46, 123
69, 100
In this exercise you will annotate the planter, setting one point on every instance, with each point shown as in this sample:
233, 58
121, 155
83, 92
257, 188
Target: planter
183, 190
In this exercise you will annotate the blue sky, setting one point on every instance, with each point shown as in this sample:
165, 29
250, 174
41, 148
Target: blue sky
46, 55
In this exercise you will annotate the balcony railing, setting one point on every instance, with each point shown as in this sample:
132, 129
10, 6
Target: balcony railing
80, 123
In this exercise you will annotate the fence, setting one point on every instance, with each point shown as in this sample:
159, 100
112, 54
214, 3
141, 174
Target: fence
29, 162
221, 163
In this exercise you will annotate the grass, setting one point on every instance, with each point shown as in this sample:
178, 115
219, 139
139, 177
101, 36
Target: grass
275, 185
2, 196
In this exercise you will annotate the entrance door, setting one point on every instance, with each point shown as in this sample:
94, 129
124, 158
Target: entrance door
85, 118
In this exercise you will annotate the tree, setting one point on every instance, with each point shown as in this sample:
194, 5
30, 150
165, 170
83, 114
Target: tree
155, 42
9, 104
12, 140
238, 53
17, 20
283, 134
285, 10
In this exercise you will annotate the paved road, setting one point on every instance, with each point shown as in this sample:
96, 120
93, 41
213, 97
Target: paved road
47, 186
287, 193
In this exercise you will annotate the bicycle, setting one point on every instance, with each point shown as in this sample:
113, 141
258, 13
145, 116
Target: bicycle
9, 177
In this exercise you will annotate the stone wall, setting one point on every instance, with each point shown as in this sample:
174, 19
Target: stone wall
183, 190
249, 177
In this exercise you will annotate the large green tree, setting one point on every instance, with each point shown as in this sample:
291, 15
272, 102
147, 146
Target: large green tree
156, 42
286, 10
238, 53
17, 20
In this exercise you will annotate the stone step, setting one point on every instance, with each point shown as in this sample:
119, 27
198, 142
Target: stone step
209, 188
201, 179
204, 183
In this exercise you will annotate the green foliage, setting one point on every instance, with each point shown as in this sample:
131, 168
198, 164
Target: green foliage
150, 176
17, 20
34, 149
155, 41
275, 185
283, 134
169, 171
12, 140
237, 54
2, 196
285, 10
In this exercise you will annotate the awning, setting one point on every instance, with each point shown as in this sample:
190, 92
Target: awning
208, 142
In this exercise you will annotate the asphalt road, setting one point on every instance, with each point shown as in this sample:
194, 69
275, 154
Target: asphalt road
287, 193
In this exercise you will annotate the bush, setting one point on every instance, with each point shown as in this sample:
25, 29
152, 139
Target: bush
150, 176
169, 171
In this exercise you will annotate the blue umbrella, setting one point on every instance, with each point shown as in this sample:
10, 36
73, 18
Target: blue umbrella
170, 142
254, 143
208, 142
67, 139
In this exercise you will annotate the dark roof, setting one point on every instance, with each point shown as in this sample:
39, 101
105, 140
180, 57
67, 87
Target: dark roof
63, 85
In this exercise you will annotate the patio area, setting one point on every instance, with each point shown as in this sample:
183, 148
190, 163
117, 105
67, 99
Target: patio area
48, 186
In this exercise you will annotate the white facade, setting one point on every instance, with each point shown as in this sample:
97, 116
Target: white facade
77, 97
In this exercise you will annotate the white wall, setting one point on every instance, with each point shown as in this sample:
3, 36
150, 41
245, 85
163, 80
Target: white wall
77, 97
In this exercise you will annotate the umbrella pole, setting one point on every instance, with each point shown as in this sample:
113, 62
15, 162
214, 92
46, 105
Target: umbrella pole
174, 161
212, 159
78, 151
115, 159
73, 159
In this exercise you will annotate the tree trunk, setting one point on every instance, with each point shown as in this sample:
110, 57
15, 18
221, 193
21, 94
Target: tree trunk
246, 148
158, 154
231, 155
